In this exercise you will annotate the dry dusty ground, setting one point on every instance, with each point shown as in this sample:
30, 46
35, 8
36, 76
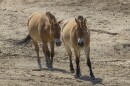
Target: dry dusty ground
110, 53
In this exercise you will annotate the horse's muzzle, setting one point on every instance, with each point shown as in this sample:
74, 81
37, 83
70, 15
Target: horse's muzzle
81, 42
58, 42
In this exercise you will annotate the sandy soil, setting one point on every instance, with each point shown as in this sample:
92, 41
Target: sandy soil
109, 21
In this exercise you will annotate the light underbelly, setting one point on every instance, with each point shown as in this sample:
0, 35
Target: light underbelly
35, 37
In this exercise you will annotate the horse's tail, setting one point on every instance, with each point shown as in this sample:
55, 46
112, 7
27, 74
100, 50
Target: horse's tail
28, 38
24, 41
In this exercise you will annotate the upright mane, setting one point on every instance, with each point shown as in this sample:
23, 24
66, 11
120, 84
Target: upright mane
51, 16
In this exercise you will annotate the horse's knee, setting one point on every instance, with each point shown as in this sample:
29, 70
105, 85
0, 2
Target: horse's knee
77, 61
52, 54
36, 48
46, 51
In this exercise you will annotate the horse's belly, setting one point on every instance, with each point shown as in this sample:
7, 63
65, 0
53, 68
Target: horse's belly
36, 38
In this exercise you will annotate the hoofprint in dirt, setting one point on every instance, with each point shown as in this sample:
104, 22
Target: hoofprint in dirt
110, 43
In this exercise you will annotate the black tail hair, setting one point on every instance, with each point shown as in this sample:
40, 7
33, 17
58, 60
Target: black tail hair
24, 41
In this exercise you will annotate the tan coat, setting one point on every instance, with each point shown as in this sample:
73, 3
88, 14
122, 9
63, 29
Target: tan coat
36, 29
76, 35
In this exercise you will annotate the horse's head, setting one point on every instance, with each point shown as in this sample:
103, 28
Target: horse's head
81, 30
55, 28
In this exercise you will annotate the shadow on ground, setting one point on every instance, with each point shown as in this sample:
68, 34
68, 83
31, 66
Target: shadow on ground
93, 80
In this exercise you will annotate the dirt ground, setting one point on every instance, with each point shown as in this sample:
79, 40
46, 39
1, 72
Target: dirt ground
109, 22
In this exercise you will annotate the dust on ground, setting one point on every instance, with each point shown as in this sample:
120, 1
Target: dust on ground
109, 22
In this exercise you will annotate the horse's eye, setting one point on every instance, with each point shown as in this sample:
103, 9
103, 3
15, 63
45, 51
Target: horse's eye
85, 30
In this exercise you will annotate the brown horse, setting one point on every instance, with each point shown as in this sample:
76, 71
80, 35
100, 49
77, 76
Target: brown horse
75, 34
43, 28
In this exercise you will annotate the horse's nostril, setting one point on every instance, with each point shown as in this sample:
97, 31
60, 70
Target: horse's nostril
58, 43
80, 43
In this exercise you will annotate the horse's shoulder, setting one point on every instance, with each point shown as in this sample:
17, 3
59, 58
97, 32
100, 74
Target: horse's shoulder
72, 24
64, 24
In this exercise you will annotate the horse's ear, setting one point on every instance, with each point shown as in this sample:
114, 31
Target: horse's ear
85, 20
48, 13
59, 22
76, 20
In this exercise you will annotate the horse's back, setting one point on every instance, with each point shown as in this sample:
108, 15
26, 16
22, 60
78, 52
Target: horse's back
33, 20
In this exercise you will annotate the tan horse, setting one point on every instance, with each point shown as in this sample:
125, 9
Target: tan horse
43, 28
75, 34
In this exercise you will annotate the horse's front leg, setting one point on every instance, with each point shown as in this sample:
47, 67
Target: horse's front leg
47, 54
77, 55
87, 53
52, 53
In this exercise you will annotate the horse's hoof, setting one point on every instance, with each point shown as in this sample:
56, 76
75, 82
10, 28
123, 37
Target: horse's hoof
50, 67
72, 71
47, 65
93, 78
40, 67
77, 75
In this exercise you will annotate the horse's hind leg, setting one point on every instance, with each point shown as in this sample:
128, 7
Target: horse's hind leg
87, 52
70, 58
47, 54
37, 51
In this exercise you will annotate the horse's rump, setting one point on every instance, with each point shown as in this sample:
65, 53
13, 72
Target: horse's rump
36, 23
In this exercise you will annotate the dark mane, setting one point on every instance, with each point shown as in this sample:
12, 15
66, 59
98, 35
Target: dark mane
50, 16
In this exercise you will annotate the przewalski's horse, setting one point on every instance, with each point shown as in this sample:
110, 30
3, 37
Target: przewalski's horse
43, 28
75, 34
